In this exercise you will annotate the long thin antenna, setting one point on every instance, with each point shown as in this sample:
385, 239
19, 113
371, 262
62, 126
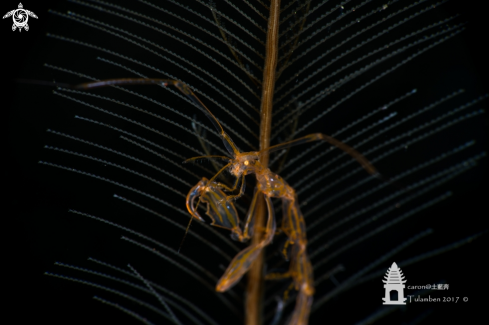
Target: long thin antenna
188, 227
228, 142
185, 235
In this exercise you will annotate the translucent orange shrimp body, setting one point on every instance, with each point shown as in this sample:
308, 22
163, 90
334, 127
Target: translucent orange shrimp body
293, 225
224, 215
221, 210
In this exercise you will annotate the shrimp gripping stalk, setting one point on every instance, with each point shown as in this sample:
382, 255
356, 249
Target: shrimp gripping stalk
272, 185
224, 215
221, 210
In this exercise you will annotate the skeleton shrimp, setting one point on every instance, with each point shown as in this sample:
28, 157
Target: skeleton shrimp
221, 210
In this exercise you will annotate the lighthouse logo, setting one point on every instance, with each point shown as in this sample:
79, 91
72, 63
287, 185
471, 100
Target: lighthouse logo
394, 286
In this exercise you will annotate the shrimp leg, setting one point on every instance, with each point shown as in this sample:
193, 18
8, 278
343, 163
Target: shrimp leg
242, 262
302, 309
222, 213
232, 189
300, 265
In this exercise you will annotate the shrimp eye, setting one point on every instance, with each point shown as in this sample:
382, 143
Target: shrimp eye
246, 162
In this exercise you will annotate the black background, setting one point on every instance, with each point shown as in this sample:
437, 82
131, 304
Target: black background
33, 297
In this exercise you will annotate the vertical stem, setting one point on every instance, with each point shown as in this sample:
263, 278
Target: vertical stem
254, 290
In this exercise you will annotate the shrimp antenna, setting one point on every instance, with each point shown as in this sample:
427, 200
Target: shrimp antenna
204, 157
188, 227
228, 142
326, 138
